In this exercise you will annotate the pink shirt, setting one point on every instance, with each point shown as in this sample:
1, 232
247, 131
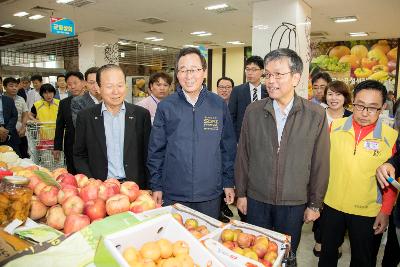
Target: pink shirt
150, 103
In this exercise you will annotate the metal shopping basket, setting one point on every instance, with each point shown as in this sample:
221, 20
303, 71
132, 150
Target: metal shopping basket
41, 144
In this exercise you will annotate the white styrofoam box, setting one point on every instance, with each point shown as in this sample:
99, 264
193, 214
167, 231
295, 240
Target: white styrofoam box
186, 213
230, 258
164, 226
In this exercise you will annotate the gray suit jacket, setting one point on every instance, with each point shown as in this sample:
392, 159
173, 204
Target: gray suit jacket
80, 103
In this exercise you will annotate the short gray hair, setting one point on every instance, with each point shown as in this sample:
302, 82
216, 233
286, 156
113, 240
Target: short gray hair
295, 62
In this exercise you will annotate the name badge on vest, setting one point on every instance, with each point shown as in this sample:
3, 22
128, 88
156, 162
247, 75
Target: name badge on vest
371, 145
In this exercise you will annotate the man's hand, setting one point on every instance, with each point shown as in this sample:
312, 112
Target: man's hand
56, 154
381, 223
229, 195
241, 204
3, 134
22, 131
383, 172
157, 197
310, 215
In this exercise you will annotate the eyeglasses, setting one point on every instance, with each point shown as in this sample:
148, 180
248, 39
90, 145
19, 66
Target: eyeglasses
251, 70
370, 110
191, 71
225, 87
277, 75
316, 87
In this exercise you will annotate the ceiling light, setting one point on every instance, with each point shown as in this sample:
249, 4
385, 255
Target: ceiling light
123, 43
157, 40
122, 54
35, 17
235, 42
8, 25
216, 7
159, 49
261, 27
344, 19
358, 34
21, 14
63, 1
205, 34
197, 33
188, 45
150, 38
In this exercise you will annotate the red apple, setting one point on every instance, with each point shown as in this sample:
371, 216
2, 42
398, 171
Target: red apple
265, 263
55, 217
229, 244
272, 246
178, 217
67, 192
95, 182
89, 192
57, 172
33, 181
81, 180
131, 189
142, 203
38, 209
117, 204
75, 222
114, 181
106, 191
271, 256
114, 184
73, 205
95, 209
244, 240
48, 195
67, 178
227, 235
39, 186
260, 249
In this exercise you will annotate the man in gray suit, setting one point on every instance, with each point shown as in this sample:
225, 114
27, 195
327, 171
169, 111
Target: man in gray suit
90, 98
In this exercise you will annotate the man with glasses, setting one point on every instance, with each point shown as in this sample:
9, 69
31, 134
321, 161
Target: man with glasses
319, 82
248, 92
192, 143
282, 162
224, 88
353, 201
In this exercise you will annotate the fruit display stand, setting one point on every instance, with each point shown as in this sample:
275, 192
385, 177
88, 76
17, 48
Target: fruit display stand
186, 215
111, 247
233, 259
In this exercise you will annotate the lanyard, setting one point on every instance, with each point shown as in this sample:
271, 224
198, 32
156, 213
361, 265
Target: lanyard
155, 100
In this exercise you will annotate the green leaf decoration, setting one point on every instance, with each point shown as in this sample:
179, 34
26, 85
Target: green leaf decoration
47, 179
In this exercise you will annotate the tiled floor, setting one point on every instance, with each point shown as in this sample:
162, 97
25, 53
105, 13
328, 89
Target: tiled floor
305, 256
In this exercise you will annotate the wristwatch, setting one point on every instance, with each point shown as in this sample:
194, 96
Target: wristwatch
315, 209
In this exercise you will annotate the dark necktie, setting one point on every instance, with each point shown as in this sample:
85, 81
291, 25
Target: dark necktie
255, 94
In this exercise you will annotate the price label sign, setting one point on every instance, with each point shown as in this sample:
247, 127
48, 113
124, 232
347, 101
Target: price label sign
62, 26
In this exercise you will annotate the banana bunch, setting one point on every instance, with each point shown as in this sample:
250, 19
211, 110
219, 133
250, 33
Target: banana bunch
379, 76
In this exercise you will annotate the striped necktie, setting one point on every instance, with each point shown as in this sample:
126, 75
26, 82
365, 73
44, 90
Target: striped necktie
255, 98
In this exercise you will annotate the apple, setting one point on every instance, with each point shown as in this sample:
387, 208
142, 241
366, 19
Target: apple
48, 195
34, 180
178, 217
75, 222
95, 209
117, 204
95, 182
244, 240
106, 191
238, 250
227, 235
260, 249
66, 178
39, 186
81, 180
191, 224
236, 233
114, 183
265, 263
66, 192
55, 217
57, 172
272, 246
180, 247
38, 209
195, 233
229, 244
142, 203
368, 63
73, 205
203, 230
271, 256
131, 189
89, 192
251, 255
262, 239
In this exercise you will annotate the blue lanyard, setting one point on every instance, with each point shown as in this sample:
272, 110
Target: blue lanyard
154, 100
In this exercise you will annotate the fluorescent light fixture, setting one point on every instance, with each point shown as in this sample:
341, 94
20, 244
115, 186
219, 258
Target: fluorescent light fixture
122, 54
123, 43
63, 1
35, 17
216, 7
197, 33
235, 42
261, 27
189, 45
150, 38
205, 34
159, 49
21, 14
157, 40
358, 34
8, 25
345, 19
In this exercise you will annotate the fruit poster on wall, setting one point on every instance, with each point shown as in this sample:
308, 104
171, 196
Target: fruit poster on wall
355, 61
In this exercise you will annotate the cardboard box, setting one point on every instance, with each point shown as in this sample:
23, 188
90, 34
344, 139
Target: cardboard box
186, 213
230, 258
109, 252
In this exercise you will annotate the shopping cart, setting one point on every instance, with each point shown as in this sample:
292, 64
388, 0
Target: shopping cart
41, 144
